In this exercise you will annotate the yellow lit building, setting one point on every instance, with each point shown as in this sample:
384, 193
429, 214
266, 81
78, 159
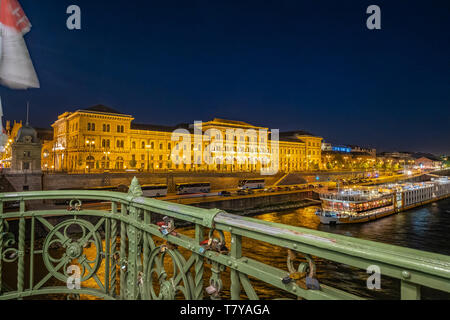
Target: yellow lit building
99, 139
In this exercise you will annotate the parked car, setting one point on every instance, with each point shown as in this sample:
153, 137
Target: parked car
225, 193
241, 192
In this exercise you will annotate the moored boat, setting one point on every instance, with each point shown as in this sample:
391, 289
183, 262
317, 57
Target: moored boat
363, 204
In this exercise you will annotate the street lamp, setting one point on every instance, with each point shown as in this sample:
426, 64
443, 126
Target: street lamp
106, 153
90, 144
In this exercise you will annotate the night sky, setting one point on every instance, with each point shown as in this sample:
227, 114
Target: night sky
306, 65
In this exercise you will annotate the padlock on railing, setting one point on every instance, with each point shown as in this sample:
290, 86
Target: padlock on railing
167, 226
140, 279
311, 280
74, 205
214, 289
211, 290
312, 283
213, 243
305, 275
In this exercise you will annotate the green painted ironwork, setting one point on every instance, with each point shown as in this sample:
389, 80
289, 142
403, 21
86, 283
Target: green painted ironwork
127, 256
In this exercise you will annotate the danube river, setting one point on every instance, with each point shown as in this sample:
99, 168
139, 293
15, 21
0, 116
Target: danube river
426, 228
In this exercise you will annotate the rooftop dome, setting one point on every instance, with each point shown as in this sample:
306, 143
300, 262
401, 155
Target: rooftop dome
27, 131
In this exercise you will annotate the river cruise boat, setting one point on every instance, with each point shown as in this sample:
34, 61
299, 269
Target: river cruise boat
363, 204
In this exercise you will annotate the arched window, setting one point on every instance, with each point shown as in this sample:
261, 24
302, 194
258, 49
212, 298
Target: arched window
119, 163
90, 162
143, 145
105, 162
133, 145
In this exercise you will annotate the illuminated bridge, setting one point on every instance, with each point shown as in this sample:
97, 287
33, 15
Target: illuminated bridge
132, 251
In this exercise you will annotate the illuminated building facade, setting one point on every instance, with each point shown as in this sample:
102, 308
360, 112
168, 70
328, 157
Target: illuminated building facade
100, 139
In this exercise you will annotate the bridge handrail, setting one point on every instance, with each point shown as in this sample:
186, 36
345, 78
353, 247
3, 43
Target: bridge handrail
413, 267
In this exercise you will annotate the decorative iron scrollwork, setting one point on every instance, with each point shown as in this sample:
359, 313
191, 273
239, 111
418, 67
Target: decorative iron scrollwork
168, 283
72, 249
9, 254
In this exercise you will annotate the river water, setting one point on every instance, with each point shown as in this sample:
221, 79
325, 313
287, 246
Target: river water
426, 228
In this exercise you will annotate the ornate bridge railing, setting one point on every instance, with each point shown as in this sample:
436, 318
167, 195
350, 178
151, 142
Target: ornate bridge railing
130, 252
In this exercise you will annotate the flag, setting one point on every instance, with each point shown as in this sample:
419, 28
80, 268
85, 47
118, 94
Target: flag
16, 67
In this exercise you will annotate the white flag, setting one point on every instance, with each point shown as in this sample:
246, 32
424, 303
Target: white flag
16, 67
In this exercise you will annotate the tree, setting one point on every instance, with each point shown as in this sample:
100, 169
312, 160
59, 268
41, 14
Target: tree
133, 163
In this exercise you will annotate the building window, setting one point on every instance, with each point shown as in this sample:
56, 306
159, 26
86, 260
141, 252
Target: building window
91, 126
143, 145
119, 163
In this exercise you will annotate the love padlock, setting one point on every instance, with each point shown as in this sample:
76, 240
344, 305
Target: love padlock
286, 280
312, 283
211, 290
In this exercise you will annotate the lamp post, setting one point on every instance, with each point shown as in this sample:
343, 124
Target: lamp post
106, 153
90, 144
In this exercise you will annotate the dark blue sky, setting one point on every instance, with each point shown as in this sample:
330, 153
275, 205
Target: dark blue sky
310, 65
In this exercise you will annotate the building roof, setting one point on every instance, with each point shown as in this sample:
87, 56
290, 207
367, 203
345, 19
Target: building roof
234, 122
296, 133
100, 108
430, 156
152, 127
44, 133
25, 131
